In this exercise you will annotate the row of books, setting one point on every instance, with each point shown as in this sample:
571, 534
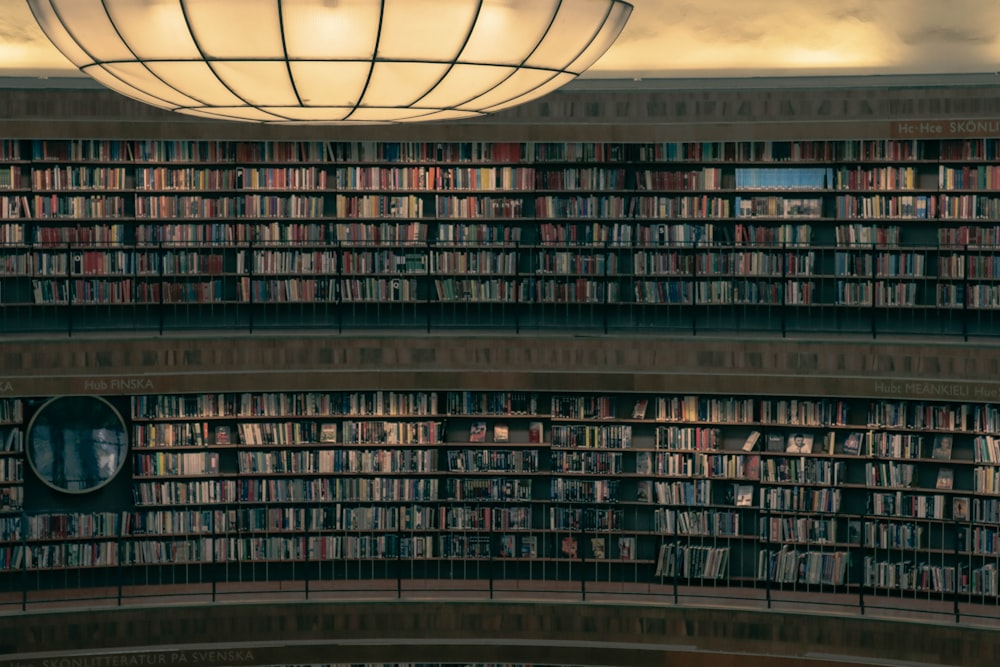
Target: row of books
871, 531
789, 177
152, 150
526, 261
187, 410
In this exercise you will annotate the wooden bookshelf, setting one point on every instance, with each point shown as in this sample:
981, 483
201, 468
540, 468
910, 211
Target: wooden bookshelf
12, 473
818, 495
881, 236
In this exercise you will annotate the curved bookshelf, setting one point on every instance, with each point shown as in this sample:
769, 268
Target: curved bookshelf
881, 236
876, 499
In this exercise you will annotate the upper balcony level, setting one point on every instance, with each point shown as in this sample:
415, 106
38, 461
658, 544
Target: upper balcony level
865, 207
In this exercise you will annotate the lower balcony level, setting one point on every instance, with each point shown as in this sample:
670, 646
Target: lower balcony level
471, 622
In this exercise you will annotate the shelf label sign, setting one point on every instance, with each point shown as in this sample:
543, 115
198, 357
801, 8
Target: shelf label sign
113, 384
944, 129
936, 389
199, 658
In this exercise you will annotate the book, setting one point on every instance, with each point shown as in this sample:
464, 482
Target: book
663, 560
751, 467
743, 495
942, 448
328, 433
529, 546
960, 509
854, 531
644, 463
478, 432
7, 499
852, 445
945, 479
536, 432
456, 461
775, 442
644, 492
810, 470
501, 433
569, 547
751, 441
507, 546
799, 443
639, 410
12, 443
223, 436
597, 547
626, 548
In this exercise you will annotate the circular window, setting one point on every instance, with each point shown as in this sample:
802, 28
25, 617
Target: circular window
77, 443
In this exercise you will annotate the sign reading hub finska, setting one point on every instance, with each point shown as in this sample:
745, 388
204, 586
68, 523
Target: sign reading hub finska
111, 385
117, 384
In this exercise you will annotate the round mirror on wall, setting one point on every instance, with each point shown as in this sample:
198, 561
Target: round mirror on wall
77, 444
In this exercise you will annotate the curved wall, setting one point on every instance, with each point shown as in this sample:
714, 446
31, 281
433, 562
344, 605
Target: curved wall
630, 633
520, 632
268, 362
530, 632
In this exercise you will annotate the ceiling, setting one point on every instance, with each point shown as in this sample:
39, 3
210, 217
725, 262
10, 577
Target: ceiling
715, 38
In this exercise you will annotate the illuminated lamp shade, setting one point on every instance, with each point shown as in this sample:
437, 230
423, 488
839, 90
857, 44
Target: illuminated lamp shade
332, 61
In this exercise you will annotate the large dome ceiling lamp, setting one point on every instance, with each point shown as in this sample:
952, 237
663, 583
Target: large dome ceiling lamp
332, 61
